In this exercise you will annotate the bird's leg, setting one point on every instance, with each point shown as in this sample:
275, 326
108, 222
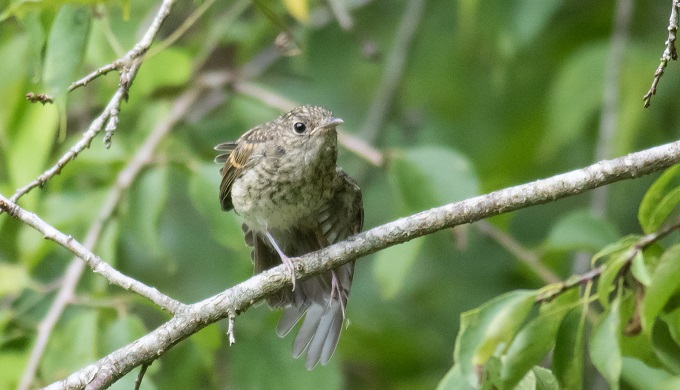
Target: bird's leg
337, 288
284, 259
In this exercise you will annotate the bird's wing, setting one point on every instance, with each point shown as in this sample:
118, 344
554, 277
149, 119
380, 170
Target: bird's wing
236, 155
315, 298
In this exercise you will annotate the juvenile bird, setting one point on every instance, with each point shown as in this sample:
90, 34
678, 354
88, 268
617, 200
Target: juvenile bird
281, 178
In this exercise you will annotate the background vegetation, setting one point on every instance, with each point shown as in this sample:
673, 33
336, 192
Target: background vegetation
491, 94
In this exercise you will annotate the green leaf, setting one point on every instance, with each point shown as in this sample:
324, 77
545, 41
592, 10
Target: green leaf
665, 347
72, 346
31, 22
454, 380
639, 269
13, 278
538, 378
225, 228
488, 328
535, 340
660, 200
569, 350
672, 319
640, 376
392, 265
529, 19
605, 352
545, 379
12, 364
30, 149
609, 276
66, 47
581, 230
149, 196
664, 283
418, 176
575, 98
615, 249
169, 68
669, 384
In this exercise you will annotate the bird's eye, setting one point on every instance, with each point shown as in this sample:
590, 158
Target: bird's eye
299, 127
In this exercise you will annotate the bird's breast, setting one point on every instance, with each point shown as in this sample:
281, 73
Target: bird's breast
272, 195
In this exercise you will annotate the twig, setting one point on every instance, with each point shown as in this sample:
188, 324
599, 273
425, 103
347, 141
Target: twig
138, 381
96, 126
341, 14
529, 258
595, 273
230, 329
128, 67
670, 53
76, 268
394, 69
192, 318
570, 283
612, 70
136, 52
183, 28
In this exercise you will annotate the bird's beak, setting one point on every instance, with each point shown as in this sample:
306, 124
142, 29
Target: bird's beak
330, 123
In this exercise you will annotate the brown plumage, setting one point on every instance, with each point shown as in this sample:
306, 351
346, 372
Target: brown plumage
282, 179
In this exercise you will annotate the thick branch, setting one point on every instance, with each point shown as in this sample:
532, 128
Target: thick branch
190, 319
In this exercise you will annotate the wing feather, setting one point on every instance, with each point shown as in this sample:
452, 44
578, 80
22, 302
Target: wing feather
236, 155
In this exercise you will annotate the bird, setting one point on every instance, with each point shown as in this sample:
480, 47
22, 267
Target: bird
281, 178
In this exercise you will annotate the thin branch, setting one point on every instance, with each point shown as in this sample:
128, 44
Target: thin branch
526, 256
138, 381
595, 273
136, 52
191, 318
181, 30
570, 283
128, 67
670, 53
74, 271
612, 73
94, 262
394, 69
341, 13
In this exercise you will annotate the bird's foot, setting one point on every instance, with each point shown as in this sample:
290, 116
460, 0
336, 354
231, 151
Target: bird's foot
338, 291
287, 262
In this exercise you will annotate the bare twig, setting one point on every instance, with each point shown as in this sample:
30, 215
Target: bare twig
595, 273
128, 67
570, 283
612, 70
670, 53
76, 268
341, 14
192, 318
183, 28
94, 262
529, 258
136, 52
140, 376
607, 129
394, 69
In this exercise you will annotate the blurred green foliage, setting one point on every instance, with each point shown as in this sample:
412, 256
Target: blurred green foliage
493, 94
